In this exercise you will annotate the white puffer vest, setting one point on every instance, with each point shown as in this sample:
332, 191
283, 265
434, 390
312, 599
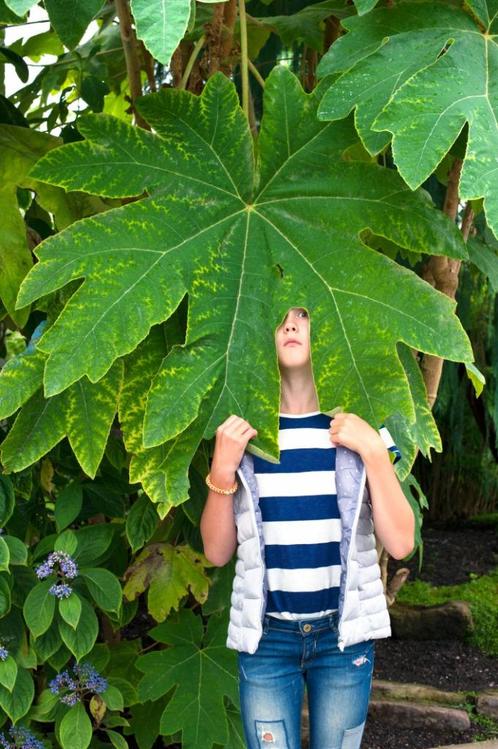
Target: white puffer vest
362, 609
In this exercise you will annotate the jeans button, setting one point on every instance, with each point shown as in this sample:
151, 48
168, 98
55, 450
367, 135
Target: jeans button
306, 627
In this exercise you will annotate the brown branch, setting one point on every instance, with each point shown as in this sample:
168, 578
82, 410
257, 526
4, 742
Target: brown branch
229, 18
213, 32
177, 61
148, 62
442, 272
130, 48
468, 218
332, 31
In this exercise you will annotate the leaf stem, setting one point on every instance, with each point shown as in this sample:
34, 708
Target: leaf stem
244, 58
256, 73
130, 49
190, 64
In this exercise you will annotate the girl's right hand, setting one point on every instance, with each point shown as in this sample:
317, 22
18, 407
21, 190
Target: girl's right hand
232, 437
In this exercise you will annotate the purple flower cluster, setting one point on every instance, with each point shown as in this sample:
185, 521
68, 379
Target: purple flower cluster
60, 590
4, 653
67, 565
20, 738
67, 569
83, 679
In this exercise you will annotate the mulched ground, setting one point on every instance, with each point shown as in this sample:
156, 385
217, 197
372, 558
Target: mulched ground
450, 554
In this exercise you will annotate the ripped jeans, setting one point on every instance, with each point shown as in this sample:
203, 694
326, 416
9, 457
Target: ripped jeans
290, 655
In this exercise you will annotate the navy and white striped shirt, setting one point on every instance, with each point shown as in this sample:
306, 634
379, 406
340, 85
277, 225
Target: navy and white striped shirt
301, 520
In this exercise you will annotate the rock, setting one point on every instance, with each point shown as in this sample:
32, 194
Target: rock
397, 690
419, 715
487, 703
448, 621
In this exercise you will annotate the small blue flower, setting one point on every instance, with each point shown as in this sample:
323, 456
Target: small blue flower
90, 677
83, 679
67, 566
60, 590
70, 699
62, 681
20, 738
4, 653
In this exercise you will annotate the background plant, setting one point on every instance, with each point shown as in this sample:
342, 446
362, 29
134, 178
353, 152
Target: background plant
169, 188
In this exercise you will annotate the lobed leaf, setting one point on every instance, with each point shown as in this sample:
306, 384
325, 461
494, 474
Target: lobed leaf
202, 671
422, 71
245, 247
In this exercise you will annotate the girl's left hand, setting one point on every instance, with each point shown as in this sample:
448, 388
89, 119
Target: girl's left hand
350, 430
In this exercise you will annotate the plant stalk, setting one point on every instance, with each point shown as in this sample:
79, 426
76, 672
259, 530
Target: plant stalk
244, 58
256, 73
130, 48
191, 60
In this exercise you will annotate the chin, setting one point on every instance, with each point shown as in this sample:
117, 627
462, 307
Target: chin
292, 362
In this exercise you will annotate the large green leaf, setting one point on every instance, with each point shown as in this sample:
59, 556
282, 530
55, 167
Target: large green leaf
20, 378
20, 147
421, 71
8, 673
202, 670
84, 413
39, 608
82, 639
141, 522
422, 434
7, 15
104, 587
162, 470
161, 25
305, 26
17, 702
70, 20
245, 246
168, 572
76, 728
19, 7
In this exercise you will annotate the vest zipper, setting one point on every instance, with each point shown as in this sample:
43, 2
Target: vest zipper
340, 641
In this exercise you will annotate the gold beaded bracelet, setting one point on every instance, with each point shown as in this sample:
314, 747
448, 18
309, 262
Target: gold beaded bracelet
214, 488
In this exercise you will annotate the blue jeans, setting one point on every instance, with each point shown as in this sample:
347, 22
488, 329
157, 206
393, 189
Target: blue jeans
290, 655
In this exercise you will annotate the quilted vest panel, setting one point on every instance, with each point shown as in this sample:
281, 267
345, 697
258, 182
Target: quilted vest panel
363, 612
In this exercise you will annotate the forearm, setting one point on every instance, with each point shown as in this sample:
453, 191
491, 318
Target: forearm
393, 518
217, 526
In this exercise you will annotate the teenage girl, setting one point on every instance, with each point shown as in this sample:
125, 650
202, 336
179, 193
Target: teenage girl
301, 525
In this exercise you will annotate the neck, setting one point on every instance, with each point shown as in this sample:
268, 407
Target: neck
298, 393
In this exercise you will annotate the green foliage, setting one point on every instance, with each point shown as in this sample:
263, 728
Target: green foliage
143, 275
244, 223
201, 669
161, 25
75, 729
418, 84
481, 592
168, 573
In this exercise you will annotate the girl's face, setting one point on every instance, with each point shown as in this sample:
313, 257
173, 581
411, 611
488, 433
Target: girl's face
292, 338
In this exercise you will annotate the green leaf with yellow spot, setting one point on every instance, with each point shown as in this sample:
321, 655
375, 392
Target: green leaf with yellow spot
20, 148
83, 413
418, 73
162, 470
245, 243
168, 573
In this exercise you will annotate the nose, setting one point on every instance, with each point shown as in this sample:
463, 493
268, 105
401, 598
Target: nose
290, 325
